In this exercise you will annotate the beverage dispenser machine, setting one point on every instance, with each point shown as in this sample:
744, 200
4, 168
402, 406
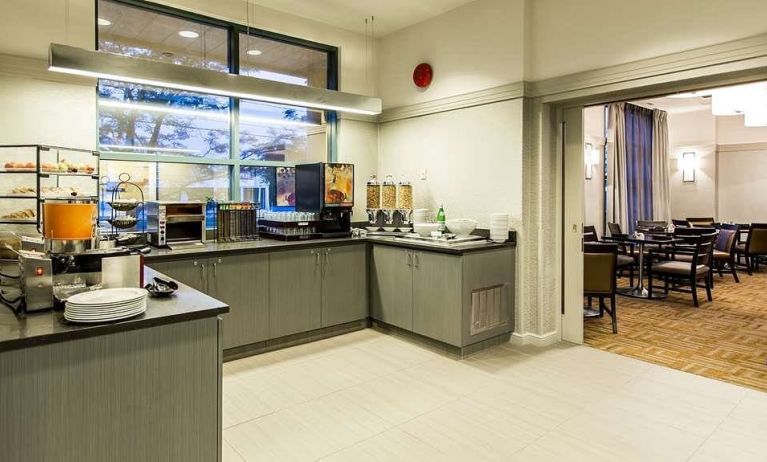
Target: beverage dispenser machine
327, 189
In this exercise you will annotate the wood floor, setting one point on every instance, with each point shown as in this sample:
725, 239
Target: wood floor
725, 339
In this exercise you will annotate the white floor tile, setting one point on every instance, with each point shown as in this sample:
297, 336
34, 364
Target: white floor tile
734, 440
390, 446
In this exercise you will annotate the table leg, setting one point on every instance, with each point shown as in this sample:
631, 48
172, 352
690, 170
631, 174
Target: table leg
639, 291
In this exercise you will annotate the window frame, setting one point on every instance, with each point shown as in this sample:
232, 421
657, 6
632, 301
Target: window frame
233, 60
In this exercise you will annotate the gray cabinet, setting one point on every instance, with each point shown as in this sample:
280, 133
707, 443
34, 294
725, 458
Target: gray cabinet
344, 284
391, 286
242, 282
295, 291
437, 296
191, 271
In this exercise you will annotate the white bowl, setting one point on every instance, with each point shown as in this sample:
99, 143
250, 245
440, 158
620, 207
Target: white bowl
425, 229
461, 226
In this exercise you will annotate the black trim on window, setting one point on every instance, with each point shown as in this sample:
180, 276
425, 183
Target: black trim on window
234, 30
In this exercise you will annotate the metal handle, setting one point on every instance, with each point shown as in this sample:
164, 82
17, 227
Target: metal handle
416, 260
327, 256
316, 254
409, 259
215, 268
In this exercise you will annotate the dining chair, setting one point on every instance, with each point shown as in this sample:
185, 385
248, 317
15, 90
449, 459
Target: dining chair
599, 279
677, 274
590, 234
615, 229
724, 250
702, 222
755, 246
651, 224
682, 223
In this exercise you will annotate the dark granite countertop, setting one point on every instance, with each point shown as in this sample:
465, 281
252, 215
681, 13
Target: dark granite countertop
272, 245
38, 328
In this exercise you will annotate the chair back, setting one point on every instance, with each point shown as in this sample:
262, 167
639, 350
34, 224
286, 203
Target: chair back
756, 243
651, 224
615, 229
703, 250
702, 222
725, 241
682, 223
600, 262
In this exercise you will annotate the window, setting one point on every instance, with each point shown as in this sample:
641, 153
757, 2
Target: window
182, 145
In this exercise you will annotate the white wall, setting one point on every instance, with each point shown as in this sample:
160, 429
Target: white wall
742, 185
696, 132
473, 159
732, 130
594, 189
568, 36
474, 47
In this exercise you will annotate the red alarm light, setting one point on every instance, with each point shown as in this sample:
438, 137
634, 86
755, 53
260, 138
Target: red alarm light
422, 75
39, 271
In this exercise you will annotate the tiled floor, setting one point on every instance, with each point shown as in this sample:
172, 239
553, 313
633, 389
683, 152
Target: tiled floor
368, 396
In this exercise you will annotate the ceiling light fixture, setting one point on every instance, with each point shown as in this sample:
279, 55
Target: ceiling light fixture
254, 52
78, 61
188, 34
103, 22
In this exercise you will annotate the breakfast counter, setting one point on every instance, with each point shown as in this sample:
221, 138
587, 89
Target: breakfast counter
266, 245
147, 388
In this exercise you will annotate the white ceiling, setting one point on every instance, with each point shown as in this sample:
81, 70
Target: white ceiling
390, 15
676, 105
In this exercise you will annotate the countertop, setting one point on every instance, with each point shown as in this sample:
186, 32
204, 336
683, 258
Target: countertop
38, 328
270, 245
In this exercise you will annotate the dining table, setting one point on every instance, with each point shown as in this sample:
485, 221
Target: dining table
640, 241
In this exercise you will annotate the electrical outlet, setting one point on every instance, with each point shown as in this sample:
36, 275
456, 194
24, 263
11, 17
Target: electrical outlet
423, 173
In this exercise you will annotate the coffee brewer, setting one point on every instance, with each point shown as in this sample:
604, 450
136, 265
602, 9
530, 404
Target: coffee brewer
327, 189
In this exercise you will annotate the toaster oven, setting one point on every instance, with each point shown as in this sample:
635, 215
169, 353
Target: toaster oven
175, 223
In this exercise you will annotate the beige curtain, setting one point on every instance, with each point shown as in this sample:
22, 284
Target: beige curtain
661, 205
616, 170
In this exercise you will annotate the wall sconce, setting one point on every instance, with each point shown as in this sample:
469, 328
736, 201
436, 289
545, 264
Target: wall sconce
689, 165
590, 158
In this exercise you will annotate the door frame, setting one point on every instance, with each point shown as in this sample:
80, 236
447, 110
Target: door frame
555, 106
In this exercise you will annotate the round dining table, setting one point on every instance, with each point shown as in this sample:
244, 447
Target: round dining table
659, 241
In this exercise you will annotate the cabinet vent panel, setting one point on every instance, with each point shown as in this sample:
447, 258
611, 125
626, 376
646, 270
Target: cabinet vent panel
487, 310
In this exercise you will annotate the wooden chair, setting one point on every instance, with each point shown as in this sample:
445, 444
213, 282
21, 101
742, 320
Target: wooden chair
615, 229
599, 280
625, 261
703, 222
681, 223
676, 274
724, 250
755, 246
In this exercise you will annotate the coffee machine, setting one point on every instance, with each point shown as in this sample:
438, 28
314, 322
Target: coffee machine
327, 189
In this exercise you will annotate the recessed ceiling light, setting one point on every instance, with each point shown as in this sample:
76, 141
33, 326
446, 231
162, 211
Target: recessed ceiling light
103, 22
188, 34
254, 52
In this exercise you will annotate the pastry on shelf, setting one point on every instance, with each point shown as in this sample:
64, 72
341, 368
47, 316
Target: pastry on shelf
20, 215
65, 166
22, 191
14, 166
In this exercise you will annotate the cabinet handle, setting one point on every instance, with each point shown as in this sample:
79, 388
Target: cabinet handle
215, 269
317, 257
416, 260
202, 271
409, 259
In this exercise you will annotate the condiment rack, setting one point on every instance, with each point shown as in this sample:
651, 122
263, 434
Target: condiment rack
236, 221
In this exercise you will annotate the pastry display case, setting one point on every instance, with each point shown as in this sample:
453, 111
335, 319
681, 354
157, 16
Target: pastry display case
32, 174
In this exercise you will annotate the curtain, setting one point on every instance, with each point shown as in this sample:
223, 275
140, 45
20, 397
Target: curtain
661, 203
616, 167
639, 136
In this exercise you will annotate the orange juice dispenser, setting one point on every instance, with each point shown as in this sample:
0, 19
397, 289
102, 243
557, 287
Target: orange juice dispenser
69, 225
327, 189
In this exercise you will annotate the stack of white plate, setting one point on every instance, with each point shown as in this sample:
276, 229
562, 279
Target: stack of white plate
105, 305
499, 227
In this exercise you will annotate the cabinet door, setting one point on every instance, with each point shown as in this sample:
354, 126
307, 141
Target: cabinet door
391, 286
242, 282
295, 292
344, 284
192, 272
437, 296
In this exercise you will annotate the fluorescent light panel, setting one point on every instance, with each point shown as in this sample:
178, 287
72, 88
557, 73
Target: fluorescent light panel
72, 60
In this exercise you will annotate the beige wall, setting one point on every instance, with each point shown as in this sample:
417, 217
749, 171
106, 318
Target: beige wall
474, 47
567, 36
696, 132
473, 159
